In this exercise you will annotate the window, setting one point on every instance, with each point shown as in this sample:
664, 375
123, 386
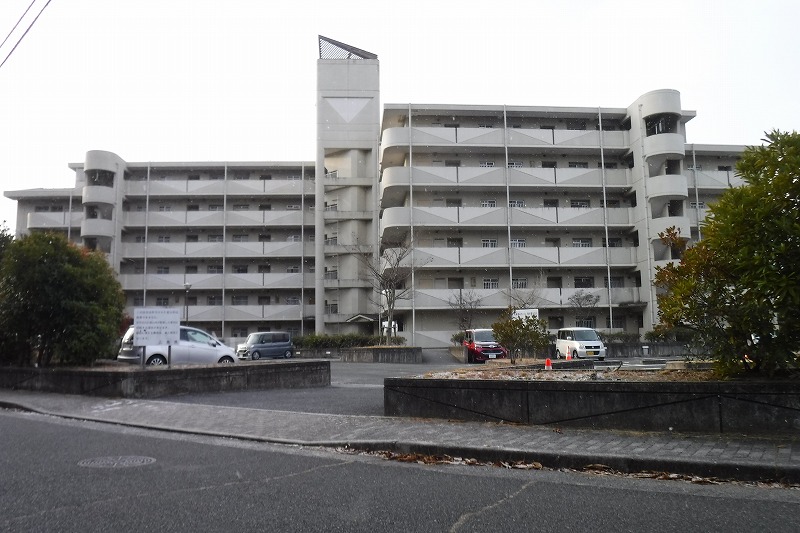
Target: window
555, 322
613, 242
41, 209
162, 270
580, 203
265, 207
585, 322
238, 332
697, 205
139, 238
213, 300
164, 208
486, 164
240, 237
162, 301
489, 243
617, 282
265, 177
241, 207
163, 238
214, 269
138, 301
581, 242
516, 203
488, 203
191, 269
216, 238
518, 243
578, 164
293, 269
609, 166
192, 238
612, 203
554, 282
455, 242
725, 168
548, 164
239, 299
215, 207
193, 207
293, 300
293, 207
452, 202
264, 300
551, 202
193, 177
619, 323
264, 269
515, 164
491, 283
452, 163
519, 283
584, 282
264, 237
240, 269
293, 238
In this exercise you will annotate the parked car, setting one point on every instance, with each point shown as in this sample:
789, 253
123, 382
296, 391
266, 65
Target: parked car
580, 343
266, 344
480, 346
194, 347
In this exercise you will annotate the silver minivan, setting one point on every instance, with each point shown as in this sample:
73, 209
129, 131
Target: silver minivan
266, 344
194, 347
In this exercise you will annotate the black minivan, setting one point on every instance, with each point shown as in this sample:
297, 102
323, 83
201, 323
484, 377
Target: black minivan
266, 344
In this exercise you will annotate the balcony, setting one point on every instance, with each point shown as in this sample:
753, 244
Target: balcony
660, 225
99, 195
97, 227
53, 220
667, 187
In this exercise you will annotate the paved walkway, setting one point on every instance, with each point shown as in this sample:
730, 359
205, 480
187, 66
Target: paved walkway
719, 456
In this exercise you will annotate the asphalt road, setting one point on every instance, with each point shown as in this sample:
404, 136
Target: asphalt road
65, 475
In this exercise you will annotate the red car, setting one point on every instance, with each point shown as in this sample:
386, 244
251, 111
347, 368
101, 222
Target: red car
480, 346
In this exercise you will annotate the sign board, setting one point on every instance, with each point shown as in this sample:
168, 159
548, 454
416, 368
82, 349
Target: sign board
156, 326
525, 313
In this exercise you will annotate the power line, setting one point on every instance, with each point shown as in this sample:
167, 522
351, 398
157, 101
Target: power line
26, 30
17, 24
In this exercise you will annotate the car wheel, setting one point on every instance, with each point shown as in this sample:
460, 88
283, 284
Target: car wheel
226, 360
255, 356
558, 354
288, 354
156, 360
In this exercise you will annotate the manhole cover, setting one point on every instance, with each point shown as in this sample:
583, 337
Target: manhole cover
117, 462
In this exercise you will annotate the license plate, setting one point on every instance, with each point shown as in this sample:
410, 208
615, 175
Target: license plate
492, 356
591, 353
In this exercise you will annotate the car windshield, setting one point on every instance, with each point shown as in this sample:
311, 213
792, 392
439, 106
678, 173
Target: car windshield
485, 335
585, 335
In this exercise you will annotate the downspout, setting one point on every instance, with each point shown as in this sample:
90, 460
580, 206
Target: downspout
411, 232
605, 219
508, 209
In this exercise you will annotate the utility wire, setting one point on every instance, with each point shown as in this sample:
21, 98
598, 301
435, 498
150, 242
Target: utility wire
17, 24
26, 30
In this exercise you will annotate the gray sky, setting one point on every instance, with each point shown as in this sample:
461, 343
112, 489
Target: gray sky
235, 80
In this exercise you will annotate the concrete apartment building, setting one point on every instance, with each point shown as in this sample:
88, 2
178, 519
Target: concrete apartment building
547, 207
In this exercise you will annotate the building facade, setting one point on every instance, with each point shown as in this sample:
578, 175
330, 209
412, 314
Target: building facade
554, 208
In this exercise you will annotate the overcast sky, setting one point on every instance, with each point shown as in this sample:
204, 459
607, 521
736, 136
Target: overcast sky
235, 80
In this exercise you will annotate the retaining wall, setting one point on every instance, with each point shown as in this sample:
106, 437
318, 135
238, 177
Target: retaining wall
725, 407
381, 355
153, 382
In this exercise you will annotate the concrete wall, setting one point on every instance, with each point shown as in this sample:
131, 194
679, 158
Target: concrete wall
153, 382
382, 355
724, 407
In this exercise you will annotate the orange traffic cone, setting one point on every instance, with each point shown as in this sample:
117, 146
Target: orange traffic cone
569, 356
548, 364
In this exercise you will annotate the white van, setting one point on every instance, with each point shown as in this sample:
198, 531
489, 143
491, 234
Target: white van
583, 343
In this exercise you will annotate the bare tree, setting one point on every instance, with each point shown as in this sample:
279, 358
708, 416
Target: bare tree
582, 300
388, 276
526, 298
465, 303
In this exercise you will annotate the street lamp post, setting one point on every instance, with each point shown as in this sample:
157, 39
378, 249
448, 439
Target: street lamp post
186, 286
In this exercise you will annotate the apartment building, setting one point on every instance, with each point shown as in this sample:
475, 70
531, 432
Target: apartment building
548, 207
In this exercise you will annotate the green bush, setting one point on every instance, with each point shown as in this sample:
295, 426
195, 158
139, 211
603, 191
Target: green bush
458, 338
619, 337
314, 341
